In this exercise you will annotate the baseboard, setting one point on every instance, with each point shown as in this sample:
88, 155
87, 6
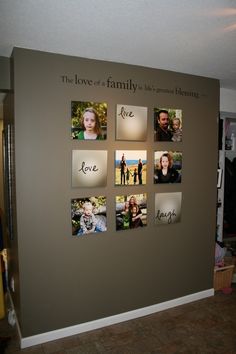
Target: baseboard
104, 322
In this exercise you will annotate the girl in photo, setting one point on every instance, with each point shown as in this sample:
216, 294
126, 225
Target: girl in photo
136, 217
91, 129
165, 172
135, 174
126, 216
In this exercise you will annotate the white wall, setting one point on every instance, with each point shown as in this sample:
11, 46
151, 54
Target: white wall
227, 100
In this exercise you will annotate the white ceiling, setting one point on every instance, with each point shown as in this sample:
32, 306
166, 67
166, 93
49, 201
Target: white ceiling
189, 36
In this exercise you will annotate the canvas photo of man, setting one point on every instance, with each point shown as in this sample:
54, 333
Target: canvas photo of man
167, 125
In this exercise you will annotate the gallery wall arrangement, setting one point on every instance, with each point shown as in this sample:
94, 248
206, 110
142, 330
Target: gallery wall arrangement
89, 167
115, 188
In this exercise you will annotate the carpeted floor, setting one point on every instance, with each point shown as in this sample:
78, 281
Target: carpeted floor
206, 326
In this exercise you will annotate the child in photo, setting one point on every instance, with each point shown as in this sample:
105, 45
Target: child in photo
165, 172
91, 129
127, 174
88, 221
176, 130
136, 217
126, 216
135, 174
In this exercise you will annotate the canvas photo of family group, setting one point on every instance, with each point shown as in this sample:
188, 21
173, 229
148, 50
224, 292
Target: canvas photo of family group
130, 167
131, 211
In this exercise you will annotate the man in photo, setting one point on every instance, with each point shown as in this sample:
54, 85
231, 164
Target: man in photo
163, 132
122, 169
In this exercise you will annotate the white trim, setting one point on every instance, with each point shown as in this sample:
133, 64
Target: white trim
108, 321
14, 312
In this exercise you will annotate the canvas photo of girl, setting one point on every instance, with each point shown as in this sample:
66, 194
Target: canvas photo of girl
167, 166
88, 120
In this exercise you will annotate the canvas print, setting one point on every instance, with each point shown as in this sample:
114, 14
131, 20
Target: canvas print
219, 177
131, 123
89, 168
131, 211
167, 208
130, 167
167, 166
88, 215
88, 120
168, 124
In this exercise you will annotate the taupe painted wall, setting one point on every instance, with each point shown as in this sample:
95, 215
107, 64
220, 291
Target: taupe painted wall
4, 73
64, 280
1, 168
4, 87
